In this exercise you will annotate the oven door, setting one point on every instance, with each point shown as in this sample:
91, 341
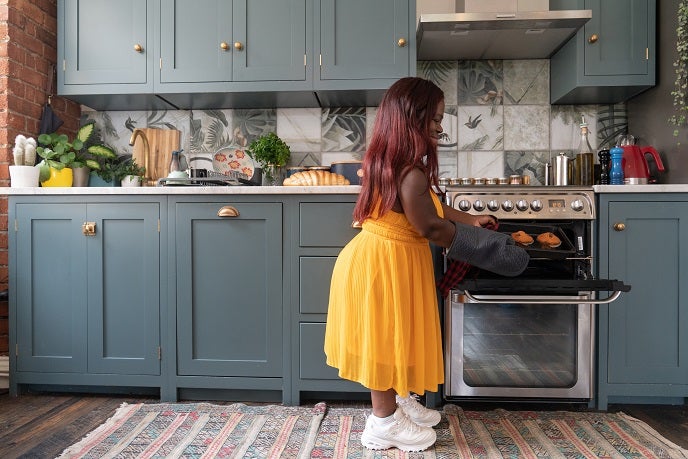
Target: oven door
538, 346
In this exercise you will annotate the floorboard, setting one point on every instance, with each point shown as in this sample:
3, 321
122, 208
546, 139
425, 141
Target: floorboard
41, 426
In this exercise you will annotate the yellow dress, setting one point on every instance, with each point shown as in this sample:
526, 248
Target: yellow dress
383, 326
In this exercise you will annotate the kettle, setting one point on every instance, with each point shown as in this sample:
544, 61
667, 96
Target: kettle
635, 166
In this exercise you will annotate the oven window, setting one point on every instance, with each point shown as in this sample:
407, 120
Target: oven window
520, 345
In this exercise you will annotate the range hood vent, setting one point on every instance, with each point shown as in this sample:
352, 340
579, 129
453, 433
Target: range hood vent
503, 35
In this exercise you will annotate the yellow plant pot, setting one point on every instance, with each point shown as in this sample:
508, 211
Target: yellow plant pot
61, 177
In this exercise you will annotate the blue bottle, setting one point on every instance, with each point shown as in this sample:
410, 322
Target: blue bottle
616, 173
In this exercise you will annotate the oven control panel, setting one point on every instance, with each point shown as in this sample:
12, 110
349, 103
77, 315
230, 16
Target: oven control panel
507, 202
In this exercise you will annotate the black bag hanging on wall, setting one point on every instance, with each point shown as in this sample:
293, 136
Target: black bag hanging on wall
50, 122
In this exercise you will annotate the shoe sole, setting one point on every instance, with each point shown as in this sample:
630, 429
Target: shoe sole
374, 445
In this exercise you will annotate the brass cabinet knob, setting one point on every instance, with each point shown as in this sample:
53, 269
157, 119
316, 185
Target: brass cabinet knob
619, 226
224, 46
138, 48
88, 228
238, 45
228, 211
593, 38
401, 42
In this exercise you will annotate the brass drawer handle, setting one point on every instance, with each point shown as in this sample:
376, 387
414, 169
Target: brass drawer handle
88, 228
593, 38
228, 211
619, 226
138, 48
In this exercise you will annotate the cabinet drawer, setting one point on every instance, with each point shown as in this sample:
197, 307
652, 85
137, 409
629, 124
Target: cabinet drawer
325, 224
315, 274
311, 353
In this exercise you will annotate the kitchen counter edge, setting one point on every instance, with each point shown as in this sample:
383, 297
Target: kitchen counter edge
650, 188
181, 190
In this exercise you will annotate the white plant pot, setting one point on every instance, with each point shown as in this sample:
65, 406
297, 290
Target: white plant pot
24, 176
131, 180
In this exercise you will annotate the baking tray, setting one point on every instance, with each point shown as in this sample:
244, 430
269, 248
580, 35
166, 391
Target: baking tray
537, 250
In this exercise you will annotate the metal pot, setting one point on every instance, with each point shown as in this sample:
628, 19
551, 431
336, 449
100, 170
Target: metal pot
562, 172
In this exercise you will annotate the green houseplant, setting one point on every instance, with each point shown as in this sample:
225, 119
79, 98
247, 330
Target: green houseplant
680, 91
130, 173
59, 153
272, 153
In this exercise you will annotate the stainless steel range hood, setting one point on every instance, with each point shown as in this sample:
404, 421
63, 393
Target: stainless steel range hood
510, 34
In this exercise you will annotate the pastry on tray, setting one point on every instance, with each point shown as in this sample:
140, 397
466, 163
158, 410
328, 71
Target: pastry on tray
522, 237
549, 240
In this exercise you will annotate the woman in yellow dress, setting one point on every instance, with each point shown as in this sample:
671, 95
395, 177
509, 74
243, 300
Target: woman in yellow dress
383, 327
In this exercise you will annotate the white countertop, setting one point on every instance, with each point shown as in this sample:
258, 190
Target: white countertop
650, 188
181, 190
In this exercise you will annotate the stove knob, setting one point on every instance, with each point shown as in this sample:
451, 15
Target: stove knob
508, 206
464, 205
536, 205
493, 205
577, 205
479, 205
522, 204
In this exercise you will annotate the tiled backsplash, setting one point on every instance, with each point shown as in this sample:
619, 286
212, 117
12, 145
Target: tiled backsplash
498, 122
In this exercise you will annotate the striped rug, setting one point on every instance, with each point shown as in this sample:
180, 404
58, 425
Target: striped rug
203, 430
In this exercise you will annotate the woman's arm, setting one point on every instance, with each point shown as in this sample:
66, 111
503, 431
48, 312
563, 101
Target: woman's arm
456, 215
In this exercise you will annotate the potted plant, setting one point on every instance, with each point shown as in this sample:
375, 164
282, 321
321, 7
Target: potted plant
272, 153
680, 92
130, 173
60, 156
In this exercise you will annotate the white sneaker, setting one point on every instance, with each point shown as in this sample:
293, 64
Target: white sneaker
417, 412
400, 433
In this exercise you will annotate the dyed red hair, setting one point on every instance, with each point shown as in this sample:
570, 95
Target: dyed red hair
400, 141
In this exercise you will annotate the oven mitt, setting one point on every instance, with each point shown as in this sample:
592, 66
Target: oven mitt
489, 250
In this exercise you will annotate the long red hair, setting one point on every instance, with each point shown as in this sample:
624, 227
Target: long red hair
400, 141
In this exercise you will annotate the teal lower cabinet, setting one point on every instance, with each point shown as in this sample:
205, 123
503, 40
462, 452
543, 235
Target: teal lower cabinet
226, 279
643, 336
85, 292
321, 227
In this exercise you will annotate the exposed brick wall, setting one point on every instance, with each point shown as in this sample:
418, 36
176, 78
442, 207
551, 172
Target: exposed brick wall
28, 46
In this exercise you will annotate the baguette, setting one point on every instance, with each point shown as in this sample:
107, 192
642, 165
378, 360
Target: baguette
315, 178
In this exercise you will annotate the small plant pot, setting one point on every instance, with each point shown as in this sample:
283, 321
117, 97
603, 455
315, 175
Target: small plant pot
62, 177
81, 176
273, 175
24, 176
131, 180
96, 181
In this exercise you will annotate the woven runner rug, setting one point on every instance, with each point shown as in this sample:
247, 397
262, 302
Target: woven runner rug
202, 430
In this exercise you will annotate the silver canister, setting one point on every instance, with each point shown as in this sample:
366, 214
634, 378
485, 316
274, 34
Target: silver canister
548, 173
562, 165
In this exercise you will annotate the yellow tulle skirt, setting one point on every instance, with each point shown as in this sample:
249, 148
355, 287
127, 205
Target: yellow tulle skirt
383, 327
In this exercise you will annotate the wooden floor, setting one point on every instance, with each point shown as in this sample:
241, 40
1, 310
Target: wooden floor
41, 426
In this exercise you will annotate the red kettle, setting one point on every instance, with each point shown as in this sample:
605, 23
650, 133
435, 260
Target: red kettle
635, 165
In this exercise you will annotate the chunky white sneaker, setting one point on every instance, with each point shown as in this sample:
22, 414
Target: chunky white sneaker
400, 433
417, 412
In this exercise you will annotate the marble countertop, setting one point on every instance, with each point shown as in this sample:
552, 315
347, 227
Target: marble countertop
267, 190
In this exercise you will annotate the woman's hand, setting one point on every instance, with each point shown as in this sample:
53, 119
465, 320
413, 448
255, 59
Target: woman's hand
484, 220
463, 217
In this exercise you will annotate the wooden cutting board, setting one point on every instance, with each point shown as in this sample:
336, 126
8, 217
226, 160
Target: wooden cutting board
162, 143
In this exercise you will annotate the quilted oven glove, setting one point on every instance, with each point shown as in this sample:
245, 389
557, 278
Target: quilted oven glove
489, 250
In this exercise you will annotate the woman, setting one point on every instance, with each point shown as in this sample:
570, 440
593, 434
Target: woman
383, 324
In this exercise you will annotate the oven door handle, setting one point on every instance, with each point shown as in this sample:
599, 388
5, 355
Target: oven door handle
531, 299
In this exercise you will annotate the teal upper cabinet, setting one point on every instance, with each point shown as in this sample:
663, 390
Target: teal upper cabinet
223, 41
611, 59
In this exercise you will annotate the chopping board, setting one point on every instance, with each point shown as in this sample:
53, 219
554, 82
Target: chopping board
161, 142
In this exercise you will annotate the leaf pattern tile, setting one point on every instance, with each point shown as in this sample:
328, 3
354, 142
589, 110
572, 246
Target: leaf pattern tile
444, 74
481, 128
343, 129
530, 163
480, 83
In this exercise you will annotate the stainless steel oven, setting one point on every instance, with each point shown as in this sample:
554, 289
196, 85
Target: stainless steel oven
531, 336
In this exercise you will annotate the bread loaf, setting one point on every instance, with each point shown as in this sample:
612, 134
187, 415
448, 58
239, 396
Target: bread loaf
315, 178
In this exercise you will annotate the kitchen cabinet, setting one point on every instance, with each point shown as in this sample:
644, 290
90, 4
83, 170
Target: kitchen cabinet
321, 228
643, 335
228, 293
85, 291
611, 59
364, 44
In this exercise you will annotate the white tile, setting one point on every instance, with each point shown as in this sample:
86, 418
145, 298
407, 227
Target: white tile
299, 128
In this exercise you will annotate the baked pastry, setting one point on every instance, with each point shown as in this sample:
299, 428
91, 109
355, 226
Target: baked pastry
549, 240
315, 178
522, 237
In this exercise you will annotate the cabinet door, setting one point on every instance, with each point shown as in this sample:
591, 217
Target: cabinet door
105, 42
51, 288
359, 39
229, 289
124, 289
648, 333
622, 28
195, 41
271, 39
